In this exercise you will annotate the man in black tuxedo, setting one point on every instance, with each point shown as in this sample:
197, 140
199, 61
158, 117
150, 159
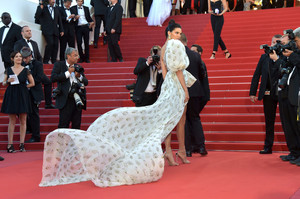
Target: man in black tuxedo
289, 102
132, 8
83, 24
26, 41
193, 126
66, 76
60, 3
36, 93
100, 9
267, 92
203, 101
9, 34
69, 28
50, 20
113, 30
149, 75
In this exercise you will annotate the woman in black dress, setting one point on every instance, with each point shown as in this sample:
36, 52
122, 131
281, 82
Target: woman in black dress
217, 8
16, 99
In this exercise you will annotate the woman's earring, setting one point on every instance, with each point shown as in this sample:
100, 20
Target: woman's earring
169, 37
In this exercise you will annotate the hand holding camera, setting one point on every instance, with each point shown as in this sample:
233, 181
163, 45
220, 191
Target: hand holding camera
71, 69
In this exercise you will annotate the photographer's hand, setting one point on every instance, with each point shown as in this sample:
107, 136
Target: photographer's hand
158, 66
149, 60
273, 56
77, 74
253, 98
71, 69
287, 52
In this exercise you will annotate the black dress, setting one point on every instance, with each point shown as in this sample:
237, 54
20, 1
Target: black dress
16, 98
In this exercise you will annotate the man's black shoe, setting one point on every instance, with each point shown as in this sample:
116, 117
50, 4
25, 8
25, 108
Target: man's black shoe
87, 61
202, 151
298, 164
49, 106
121, 60
295, 161
266, 151
188, 154
288, 158
31, 140
1, 158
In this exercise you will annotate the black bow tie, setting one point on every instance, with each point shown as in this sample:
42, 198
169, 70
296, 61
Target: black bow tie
28, 40
79, 7
67, 8
6, 26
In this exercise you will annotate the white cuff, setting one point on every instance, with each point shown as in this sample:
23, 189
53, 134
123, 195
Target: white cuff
67, 74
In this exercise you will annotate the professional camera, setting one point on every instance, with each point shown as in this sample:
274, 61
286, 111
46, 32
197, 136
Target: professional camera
77, 91
79, 69
55, 93
292, 44
284, 76
269, 49
155, 57
131, 88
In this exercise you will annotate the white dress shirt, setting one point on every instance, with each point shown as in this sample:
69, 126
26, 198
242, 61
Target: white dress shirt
82, 20
6, 31
51, 11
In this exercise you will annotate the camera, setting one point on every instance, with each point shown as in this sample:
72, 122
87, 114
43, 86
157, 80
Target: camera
155, 57
55, 93
131, 88
77, 91
79, 69
269, 49
284, 76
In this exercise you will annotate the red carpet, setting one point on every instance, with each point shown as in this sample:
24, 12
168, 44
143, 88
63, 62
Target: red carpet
220, 175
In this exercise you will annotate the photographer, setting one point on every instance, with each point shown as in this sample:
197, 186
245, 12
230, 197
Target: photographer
288, 96
267, 70
70, 92
149, 75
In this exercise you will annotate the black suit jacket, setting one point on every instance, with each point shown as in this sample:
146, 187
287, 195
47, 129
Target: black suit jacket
7, 47
23, 43
205, 84
264, 69
113, 19
142, 70
294, 85
63, 83
100, 6
87, 14
49, 26
37, 71
69, 26
197, 70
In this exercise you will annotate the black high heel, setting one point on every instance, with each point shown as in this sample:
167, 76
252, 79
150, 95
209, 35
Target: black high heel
10, 148
213, 56
228, 55
22, 147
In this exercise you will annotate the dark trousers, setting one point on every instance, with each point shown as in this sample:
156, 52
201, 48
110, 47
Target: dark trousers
147, 6
114, 48
147, 99
132, 8
98, 19
270, 106
194, 135
290, 3
217, 25
51, 48
70, 113
200, 6
83, 32
288, 116
64, 40
47, 89
33, 120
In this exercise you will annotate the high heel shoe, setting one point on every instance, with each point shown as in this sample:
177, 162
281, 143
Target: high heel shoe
22, 147
169, 160
227, 57
213, 56
10, 148
182, 158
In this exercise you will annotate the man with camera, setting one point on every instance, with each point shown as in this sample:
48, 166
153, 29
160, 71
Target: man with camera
289, 95
36, 93
149, 75
70, 93
267, 91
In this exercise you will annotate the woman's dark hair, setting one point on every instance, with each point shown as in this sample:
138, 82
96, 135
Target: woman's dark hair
12, 56
172, 25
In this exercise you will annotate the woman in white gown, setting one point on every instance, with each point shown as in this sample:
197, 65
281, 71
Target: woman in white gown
123, 146
160, 10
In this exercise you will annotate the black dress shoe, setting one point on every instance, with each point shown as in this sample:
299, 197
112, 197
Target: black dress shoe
266, 151
31, 140
49, 106
295, 161
288, 158
1, 158
188, 154
203, 151
87, 61
121, 60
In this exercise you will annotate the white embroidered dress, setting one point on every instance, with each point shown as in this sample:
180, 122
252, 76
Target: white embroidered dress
160, 11
123, 146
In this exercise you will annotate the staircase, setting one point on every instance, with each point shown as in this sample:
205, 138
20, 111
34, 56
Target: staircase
230, 120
